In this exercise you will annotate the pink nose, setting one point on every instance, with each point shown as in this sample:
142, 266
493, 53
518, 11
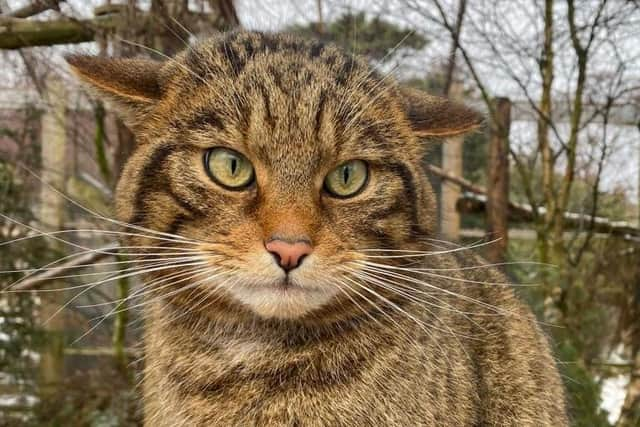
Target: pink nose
288, 255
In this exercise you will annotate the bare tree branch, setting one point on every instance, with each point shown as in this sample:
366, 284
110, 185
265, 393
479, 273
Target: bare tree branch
34, 8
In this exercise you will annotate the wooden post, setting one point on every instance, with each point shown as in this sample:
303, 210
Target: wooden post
498, 181
53, 148
451, 164
320, 18
630, 414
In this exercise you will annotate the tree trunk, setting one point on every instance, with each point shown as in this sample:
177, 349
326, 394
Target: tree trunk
452, 164
544, 115
630, 415
320, 27
498, 182
53, 141
455, 42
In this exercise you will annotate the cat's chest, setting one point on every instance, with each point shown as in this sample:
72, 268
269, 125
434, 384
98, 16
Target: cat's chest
236, 380
241, 385
240, 352
223, 368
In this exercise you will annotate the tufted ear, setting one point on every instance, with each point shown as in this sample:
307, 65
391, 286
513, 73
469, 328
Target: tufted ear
436, 116
133, 86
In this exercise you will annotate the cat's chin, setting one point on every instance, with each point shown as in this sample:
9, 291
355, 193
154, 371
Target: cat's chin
282, 300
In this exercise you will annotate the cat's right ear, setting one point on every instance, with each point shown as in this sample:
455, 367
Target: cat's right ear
434, 116
133, 86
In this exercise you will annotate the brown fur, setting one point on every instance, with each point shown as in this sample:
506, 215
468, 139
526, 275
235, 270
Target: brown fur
451, 348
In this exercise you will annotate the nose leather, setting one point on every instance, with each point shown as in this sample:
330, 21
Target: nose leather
289, 255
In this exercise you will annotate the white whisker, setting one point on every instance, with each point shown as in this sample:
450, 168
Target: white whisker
445, 291
94, 231
89, 286
104, 218
385, 285
190, 273
414, 253
131, 273
137, 266
428, 272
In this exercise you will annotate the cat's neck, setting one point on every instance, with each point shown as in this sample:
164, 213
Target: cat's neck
222, 330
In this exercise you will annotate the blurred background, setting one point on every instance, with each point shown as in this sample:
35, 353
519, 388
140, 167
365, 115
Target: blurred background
552, 180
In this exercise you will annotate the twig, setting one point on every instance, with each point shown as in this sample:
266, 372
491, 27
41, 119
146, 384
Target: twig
38, 280
34, 8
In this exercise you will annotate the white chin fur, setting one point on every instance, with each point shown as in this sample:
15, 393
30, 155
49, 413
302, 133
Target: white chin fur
263, 294
280, 302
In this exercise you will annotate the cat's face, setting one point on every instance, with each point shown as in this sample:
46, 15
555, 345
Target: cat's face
283, 162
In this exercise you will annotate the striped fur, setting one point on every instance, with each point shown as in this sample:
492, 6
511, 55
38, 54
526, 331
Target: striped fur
238, 352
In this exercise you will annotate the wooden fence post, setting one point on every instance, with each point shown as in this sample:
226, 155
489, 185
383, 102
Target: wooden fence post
452, 164
498, 181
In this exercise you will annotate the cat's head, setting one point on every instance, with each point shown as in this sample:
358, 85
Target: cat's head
282, 161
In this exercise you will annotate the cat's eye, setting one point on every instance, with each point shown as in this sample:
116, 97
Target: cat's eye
228, 168
347, 180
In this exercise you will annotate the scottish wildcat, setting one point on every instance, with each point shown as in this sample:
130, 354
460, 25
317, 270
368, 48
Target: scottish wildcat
291, 172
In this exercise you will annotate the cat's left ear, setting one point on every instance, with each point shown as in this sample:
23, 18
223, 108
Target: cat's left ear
434, 116
133, 86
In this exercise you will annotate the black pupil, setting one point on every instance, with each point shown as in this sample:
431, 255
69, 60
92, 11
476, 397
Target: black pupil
346, 174
234, 165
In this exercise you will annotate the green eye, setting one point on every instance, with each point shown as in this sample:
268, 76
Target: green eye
228, 168
347, 179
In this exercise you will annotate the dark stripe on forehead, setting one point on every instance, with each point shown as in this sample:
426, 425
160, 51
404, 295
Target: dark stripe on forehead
233, 57
196, 62
320, 113
201, 119
266, 99
240, 48
276, 76
249, 47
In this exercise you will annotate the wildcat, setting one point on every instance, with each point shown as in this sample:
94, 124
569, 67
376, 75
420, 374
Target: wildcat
291, 171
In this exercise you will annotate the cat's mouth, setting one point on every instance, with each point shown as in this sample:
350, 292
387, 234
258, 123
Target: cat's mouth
285, 297
284, 290
287, 285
